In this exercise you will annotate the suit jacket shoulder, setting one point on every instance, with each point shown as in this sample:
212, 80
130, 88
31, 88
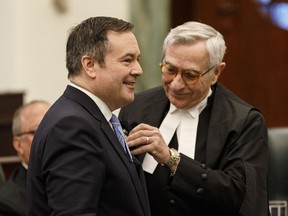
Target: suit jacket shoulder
229, 109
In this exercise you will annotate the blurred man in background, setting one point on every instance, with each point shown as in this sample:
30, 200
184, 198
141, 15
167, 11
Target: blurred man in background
24, 124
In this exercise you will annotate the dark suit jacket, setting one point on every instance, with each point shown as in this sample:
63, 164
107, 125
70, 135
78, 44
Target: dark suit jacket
228, 175
78, 167
13, 194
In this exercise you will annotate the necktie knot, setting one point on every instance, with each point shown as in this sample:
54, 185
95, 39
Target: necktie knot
114, 120
119, 133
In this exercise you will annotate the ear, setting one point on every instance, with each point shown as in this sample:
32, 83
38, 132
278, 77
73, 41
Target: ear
89, 65
217, 72
17, 145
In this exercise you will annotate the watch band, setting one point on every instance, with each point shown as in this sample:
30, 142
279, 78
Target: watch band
174, 158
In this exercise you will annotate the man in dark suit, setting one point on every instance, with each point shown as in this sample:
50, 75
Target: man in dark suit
77, 165
216, 162
24, 124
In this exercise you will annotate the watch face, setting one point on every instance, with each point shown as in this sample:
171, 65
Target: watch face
175, 154
175, 157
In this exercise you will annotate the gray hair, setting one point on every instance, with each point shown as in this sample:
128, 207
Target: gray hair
192, 32
16, 120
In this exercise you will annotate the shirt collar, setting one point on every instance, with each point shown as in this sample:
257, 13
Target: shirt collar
24, 165
102, 106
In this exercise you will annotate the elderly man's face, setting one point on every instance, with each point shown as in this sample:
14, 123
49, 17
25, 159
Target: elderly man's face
193, 56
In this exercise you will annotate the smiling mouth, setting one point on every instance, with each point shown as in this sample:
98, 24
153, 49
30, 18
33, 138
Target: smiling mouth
178, 95
130, 83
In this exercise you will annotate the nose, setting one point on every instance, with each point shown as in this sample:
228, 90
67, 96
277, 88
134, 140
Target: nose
137, 69
178, 82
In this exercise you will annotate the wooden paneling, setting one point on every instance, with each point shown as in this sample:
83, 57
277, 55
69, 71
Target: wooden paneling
9, 102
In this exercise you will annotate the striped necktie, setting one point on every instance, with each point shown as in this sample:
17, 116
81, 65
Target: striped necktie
120, 135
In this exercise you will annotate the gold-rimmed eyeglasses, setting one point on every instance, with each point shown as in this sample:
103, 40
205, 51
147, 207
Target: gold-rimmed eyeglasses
189, 76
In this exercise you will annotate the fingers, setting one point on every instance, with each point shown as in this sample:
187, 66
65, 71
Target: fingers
146, 138
141, 134
140, 127
154, 146
139, 139
140, 149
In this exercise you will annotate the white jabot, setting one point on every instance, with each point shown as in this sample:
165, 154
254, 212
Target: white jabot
186, 123
187, 131
167, 129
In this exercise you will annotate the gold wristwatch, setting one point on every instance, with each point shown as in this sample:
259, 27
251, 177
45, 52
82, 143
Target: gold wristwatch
174, 158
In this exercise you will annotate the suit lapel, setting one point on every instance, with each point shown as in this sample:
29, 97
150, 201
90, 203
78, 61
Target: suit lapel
208, 133
131, 166
216, 125
94, 110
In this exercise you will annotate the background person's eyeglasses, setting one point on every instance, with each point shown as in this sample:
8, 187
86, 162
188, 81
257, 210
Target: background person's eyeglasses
32, 132
189, 76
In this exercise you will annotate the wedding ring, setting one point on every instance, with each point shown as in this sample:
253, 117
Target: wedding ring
147, 140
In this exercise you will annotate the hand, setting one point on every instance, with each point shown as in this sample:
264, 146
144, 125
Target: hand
145, 138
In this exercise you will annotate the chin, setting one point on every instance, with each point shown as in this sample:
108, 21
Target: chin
129, 99
178, 104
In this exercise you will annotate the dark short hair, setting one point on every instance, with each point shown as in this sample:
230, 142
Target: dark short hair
90, 38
